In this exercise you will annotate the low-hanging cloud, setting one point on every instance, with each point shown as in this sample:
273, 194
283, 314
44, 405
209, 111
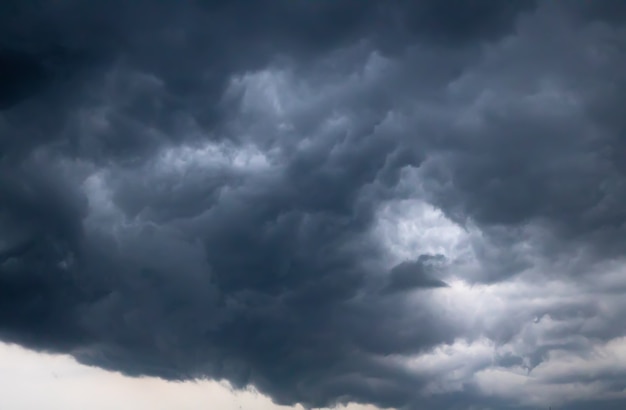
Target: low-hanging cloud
386, 203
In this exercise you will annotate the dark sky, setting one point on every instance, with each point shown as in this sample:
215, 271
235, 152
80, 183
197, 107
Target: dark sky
412, 204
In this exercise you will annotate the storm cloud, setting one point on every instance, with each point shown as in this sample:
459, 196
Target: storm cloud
407, 204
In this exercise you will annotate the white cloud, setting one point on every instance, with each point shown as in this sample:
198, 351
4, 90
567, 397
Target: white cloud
410, 228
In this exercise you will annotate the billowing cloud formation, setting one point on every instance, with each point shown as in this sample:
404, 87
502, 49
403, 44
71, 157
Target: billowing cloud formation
404, 204
414, 274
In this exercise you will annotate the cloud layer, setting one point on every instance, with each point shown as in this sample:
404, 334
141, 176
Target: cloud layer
405, 205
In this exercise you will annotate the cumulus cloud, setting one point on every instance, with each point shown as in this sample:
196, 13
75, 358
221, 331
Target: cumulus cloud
404, 205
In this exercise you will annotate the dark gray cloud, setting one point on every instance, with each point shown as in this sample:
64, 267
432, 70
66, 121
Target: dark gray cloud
22, 75
192, 189
410, 275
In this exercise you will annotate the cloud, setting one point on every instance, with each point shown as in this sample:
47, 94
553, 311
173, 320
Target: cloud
21, 76
61, 383
414, 274
221, 190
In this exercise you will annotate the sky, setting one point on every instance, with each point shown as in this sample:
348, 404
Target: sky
57, 382
295, 204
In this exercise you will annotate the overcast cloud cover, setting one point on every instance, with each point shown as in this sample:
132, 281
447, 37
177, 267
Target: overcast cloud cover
414, 205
